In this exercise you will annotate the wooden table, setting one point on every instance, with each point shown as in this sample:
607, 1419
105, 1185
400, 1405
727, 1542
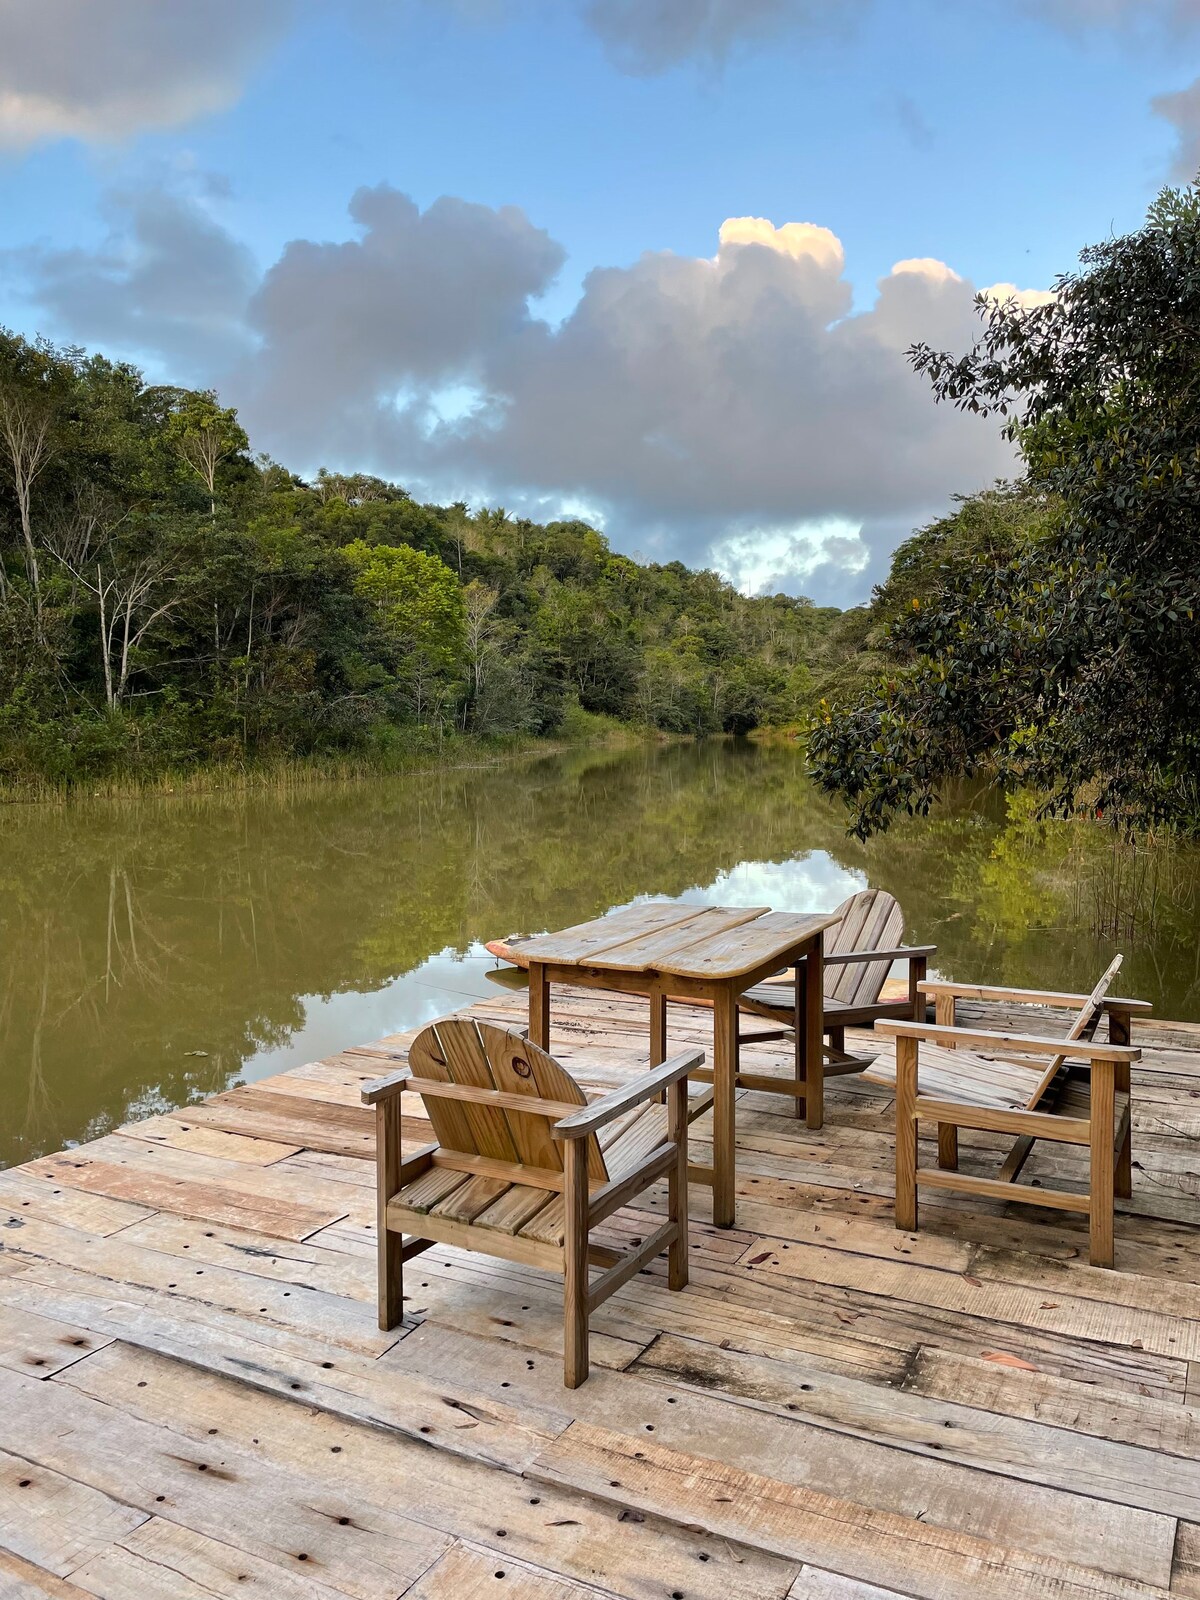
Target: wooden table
709, 953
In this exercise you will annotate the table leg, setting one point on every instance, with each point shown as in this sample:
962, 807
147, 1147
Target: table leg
725, 1053
658, 1028
539, 1006
814, 1034
800, 1038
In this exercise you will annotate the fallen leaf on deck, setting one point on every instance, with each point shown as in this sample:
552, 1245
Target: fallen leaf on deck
1003, 1359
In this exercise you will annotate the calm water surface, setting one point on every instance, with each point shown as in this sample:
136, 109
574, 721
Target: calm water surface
155, 951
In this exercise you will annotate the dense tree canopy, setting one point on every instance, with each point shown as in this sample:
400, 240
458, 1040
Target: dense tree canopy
166, 598
1048, 632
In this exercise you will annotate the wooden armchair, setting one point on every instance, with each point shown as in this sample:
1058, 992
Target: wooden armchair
859, 951
524, 1168
1019, 1084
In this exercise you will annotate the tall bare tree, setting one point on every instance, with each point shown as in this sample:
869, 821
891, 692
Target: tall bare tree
479, 601
131, 599
81, 523
28, 444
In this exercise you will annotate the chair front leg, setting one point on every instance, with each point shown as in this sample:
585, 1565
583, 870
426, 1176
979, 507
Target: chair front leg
575, 1263
677, 1184
1101, 1175
389, 1245
906, 1134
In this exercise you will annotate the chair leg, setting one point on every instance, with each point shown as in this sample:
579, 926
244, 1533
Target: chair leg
906, 1134
1100, 1228
389, 1245
837, 1039
1101, 1173
948, 1146
575, 1264
1118, 1033
1123, 1174
677, 1184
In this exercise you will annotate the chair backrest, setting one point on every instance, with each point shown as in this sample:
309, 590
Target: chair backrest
1092, 1009
869, 920
1083, 1027
496, 1065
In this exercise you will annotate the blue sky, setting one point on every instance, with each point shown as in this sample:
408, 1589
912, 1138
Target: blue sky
755, 411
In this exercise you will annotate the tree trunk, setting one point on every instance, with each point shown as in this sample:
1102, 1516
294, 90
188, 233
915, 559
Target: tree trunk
105, 641
24, 487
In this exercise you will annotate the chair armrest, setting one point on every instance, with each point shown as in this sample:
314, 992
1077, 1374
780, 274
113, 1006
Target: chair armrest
904, 952
384, 1088
1032, 997
1023, 1044
588, 1118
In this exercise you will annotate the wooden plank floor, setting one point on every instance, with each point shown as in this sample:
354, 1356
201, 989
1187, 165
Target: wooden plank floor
195, 1400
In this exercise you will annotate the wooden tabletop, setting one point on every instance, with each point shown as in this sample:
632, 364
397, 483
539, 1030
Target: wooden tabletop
712, 942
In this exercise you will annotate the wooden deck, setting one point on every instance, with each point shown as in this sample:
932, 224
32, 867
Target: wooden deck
195, 1400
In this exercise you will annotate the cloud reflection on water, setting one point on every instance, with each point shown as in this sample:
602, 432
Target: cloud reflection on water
449, 979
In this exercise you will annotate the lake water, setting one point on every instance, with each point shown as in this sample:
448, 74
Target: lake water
156, 951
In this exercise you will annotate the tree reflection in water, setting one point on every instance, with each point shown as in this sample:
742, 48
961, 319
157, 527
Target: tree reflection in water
154, 951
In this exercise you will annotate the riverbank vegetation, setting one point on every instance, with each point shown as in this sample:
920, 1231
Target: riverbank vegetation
168, 599
1046, 633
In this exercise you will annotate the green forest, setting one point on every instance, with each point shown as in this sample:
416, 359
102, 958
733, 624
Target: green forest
169, 599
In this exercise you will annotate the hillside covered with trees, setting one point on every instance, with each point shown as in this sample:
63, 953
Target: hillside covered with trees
168, 599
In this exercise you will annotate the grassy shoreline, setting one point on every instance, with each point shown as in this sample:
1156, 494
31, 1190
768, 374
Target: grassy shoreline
447, 752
